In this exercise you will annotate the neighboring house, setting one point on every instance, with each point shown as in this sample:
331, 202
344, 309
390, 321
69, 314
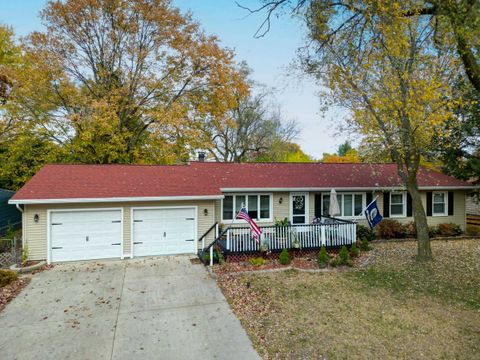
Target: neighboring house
10, 216
78, 212
473, 204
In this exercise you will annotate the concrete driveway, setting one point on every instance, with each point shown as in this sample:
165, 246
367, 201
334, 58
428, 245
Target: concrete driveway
159, 308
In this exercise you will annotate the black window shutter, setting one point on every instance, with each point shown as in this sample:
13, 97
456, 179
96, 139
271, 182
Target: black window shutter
318, 205
429, 203
386, 204
409, 205
451, 202
369, 197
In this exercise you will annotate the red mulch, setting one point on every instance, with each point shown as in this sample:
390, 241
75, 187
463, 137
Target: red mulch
304, 263
7, 293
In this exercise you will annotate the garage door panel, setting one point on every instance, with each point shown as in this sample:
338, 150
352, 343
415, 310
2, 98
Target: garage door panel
84, 235
164, 231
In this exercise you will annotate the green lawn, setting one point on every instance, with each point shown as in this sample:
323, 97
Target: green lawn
395, 308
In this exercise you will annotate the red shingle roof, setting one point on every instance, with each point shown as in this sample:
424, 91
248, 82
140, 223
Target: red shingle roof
207, 179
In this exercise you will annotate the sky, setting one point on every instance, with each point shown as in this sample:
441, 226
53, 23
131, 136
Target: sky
269, 57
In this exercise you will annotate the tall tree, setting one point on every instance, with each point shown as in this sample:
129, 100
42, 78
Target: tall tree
11, 61
455, 25
125, 80
253, 129
385, 69
449, 19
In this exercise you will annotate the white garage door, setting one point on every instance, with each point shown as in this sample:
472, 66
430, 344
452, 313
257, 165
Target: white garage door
85, 235
164, 231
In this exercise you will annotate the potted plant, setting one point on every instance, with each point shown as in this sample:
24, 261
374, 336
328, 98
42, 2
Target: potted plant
281, 232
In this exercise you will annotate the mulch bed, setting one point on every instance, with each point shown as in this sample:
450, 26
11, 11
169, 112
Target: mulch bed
300, 263
7, 293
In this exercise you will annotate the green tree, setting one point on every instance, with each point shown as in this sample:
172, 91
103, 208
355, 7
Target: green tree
344, 148
23, 155
282, 151
11, 59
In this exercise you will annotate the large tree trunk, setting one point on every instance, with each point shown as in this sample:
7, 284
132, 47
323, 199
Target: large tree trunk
420, 219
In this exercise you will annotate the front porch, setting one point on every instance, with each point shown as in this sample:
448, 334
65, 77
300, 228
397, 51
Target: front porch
328, 232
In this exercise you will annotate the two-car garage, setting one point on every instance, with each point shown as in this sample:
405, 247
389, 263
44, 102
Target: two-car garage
88, 234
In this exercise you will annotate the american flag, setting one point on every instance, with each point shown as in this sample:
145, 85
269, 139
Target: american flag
256, 231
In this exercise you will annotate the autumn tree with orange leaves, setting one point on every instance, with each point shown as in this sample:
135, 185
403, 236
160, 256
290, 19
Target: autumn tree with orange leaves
121, 81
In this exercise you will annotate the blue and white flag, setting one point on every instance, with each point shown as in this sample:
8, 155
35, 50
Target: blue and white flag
373, 214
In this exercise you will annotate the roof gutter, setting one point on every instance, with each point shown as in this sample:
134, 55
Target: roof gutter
378, 188
113, 199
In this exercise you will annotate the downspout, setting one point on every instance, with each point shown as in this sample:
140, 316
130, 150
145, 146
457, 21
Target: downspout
24, 227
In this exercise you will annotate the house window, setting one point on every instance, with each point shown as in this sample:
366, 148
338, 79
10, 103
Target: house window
299, 208
397, 204
439, 204
350, 204
257, 205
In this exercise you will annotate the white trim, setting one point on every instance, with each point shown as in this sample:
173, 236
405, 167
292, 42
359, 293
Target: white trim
240, 221
226, 190
195, 207
321, 189
49, 225
404, 203
24, 225
307, 207
445, 198
114, 199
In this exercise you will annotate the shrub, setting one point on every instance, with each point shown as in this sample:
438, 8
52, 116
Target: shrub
206, 258
449, 229
257, 261
354, 251
391, 229
364, 232
432, 231
323, 257
410, 229
343, 256
334, 262
365, 245
7, 277
284, 257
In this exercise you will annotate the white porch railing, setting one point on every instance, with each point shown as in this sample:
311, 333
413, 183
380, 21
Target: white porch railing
280, 237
